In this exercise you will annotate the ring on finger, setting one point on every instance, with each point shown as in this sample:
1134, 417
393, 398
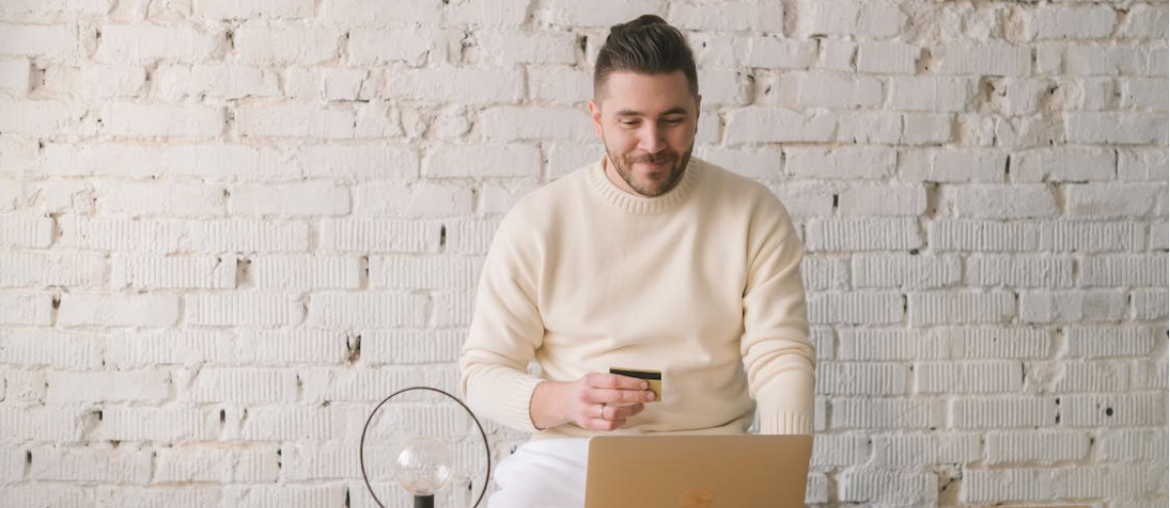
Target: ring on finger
601, 411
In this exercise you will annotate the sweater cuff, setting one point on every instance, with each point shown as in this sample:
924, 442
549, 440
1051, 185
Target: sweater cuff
516, 401
785, 422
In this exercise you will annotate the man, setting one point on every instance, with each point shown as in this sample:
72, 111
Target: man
647, 259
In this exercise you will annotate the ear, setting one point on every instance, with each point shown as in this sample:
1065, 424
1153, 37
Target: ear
595, 114
698, 110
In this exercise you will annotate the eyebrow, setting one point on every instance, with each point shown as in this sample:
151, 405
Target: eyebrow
677, 110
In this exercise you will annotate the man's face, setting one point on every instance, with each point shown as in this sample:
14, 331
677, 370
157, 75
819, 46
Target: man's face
648, 125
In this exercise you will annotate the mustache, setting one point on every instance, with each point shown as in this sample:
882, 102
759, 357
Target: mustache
654, 159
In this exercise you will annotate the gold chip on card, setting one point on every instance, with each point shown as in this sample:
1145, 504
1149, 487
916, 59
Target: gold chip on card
653, 377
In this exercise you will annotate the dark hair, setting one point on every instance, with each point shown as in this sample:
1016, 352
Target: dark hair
647, 45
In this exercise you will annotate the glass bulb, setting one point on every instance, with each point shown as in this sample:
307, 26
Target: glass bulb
424, 466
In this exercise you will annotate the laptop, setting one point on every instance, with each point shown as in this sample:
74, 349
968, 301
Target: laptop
747, 471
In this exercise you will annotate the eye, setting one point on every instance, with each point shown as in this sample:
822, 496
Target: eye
628, 123
673, 120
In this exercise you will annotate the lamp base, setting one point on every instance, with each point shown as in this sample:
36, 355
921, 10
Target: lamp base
424, 501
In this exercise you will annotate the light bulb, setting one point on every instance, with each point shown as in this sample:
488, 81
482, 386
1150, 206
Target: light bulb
424, 466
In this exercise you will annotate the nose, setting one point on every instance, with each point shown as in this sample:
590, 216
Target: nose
651, 139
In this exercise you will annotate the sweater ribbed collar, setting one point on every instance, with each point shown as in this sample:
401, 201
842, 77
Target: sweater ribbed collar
642, 204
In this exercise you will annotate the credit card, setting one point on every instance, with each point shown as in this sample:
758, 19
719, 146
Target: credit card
653, 377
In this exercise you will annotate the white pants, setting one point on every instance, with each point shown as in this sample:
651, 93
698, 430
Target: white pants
545, 473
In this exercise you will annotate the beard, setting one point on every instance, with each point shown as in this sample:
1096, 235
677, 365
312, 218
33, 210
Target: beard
676, 165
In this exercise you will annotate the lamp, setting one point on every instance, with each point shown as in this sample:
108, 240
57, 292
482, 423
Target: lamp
424, 465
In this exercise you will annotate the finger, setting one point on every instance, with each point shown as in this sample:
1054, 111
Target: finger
599, 424
619, 396
623, 412
615, 382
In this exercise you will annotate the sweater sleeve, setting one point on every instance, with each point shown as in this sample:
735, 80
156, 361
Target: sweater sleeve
778, 356
506, 330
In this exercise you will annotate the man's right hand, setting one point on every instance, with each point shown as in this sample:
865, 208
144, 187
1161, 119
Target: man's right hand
596, 401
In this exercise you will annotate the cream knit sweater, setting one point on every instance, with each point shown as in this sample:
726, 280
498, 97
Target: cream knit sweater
701, 283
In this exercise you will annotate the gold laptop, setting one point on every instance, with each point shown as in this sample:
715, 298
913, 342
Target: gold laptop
697, 471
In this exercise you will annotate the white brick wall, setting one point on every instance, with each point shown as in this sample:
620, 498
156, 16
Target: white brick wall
227, 229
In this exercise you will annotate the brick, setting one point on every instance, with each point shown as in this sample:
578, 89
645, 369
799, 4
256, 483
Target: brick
1106, 60
23, 386
853, 379
771, 53
244, 386
756, 124
144, 44
984, 486
915, 451
504, 13
177, 497
41, 117
855, 308
850, 17
905, 271
11, 466
999, 412
1065, 164
160, 120
378, 236
721, 88
498, 199
28, 309
944, 344
840, 450
469, 237
1050, 22
89, 387
1159, 237
431, 272
296, 496
1072, 306
161, 272
380, 12
400, 347
1149, 304
172, 425
887, 58
244, 309
40, 423
230, 81
508, 48
1149, 375
172, 199
1141, 93
884, 200
296, 200
453, 308
1113, 410
167, 236
1145, 22
414, 47
930, 94
497, 160
285, 347
25, 231
226, 9
887, 413
1031, 446
1092, 128
870, 127
376, 310
54, 42
926, 129
862, 235
1112, 341
1037, 236
112, 81
985, 377
803, 91
564, 85
195, 463
124, 464
306, 272
1106, 271
1091, 377
986, 59
1014, 96
374, 385
50, 349
359, 162
51, 269
1116, 200
1020, 271
335, 84
509, 123
837, 55
1132, 446
953, 166
150, 161
603, 13
80, 310
300, 45
950, 307
27, 10
294, 121
14, 75
843, 163
889, 488
807, 198
136, 350
820, 273
729, 17
471, 86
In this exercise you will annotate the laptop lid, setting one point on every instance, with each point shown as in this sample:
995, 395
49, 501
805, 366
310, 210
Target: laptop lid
697, 471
